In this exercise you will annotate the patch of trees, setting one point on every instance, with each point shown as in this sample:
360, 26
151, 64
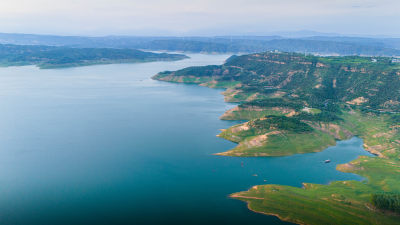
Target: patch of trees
200, 71
274, 102
280, 123
324, 116
386, 201
396, 118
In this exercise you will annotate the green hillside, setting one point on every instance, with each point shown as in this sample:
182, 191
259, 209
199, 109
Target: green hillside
317, 82
298, 103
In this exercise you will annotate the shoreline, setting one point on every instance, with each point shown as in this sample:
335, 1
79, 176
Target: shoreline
271, 214
369, 128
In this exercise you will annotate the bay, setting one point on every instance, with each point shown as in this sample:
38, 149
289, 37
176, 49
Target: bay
107, 145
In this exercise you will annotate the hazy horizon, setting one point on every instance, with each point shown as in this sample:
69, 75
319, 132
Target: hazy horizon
283, 34
199, 18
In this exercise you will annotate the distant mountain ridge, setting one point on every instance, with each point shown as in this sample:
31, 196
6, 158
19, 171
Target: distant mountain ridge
325, 45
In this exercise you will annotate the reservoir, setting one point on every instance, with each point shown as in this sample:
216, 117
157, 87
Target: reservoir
107, 145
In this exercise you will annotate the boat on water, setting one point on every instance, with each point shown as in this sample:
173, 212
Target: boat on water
327, 161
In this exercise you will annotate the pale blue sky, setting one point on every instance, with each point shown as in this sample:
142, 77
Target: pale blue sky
199, 17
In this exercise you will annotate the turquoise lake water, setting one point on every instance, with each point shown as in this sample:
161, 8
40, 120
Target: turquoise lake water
108, 145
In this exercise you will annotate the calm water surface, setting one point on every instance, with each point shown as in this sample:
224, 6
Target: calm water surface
108, 145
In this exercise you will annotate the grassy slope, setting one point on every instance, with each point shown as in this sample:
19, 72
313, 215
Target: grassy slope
338, 203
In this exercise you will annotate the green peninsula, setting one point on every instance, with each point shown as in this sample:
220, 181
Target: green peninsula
296, 103
47, 57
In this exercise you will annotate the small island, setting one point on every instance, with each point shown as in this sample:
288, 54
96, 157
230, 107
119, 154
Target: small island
295, 103
48, 57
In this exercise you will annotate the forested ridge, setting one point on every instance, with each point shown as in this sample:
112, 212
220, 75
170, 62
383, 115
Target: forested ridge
51, 56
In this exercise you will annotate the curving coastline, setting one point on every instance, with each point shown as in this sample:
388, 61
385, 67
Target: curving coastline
341, 202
